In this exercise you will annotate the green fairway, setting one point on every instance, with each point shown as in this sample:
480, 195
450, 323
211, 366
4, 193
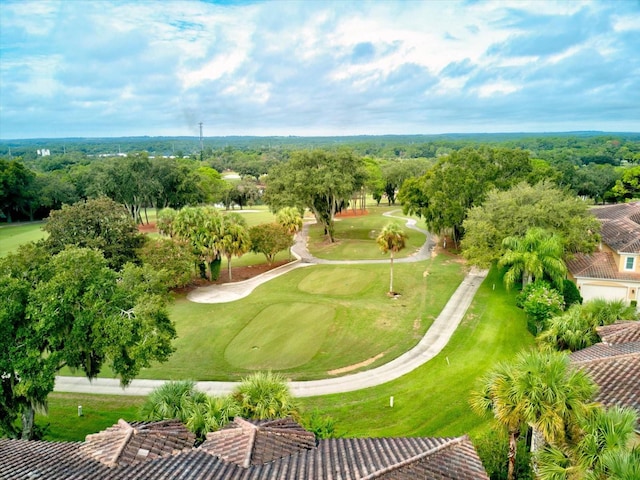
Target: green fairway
361, 322
336, 281
356, 236
12, 236
430, 401
282, 336
433, 399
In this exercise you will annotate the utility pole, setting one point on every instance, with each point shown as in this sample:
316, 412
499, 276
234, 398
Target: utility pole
201, 145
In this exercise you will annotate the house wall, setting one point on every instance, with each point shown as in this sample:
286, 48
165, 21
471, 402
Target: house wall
591, 288
621, 260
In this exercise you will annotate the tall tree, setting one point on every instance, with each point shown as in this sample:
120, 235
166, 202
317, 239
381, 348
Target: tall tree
512, 212
534, 256
319, 180
73, 310
236, 240
537, 389
459, 181
15, 192
628, 186
203, 228
391, 240
99, 223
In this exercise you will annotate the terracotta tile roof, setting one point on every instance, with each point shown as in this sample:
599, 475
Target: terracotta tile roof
252, 443
125, 444
620, 226
20, 459
614, 364
337, 459
620, 332
598, 265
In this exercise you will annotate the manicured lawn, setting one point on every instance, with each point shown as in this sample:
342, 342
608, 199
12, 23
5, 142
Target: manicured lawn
11, 236
319, 307
433, 400
331, 317
99, 412
355, 236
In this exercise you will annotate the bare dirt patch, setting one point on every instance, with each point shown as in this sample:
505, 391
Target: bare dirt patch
355, 366
150, 227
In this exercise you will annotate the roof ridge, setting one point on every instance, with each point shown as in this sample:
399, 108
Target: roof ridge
118, 453
609, 357
252, 440
451, 441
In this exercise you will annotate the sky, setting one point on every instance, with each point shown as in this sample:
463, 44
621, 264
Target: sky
93, 68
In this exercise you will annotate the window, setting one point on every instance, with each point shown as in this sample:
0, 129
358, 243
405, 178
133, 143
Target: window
630, 263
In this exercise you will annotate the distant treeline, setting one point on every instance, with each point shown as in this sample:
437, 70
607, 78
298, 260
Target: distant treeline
580, 147
39, 175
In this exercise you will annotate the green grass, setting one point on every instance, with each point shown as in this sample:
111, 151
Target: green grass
12, 236
430, 401
359, 319
267, 342
355, 237
433, 399
99, 412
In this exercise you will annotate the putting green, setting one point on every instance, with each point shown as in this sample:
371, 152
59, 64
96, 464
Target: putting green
283, 335
336, 281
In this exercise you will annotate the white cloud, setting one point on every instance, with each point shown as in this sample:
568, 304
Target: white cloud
298, 67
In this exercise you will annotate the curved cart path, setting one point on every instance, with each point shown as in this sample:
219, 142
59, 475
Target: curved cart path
429, 346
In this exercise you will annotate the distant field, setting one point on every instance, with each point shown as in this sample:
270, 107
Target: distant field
12, 236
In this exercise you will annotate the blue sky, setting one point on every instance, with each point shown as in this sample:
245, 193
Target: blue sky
92, 68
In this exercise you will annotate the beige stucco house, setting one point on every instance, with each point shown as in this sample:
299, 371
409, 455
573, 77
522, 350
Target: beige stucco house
612, 272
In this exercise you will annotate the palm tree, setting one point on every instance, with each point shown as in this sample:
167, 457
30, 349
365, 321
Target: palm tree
291, 220
212, 414
533, 256
203, 228
538, 389
265, 395
391, 239
235, 240
600, 451
172, 400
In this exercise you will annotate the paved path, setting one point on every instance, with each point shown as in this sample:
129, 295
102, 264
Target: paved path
231, 292
431, 344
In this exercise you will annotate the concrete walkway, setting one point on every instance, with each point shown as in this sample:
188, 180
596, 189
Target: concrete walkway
230, 292
429, 346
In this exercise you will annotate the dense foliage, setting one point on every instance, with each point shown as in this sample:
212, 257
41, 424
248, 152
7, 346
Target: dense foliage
71, 309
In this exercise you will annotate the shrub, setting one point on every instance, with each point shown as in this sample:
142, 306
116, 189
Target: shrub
540, 301
570, 293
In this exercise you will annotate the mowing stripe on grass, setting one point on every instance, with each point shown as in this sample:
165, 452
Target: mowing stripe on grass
284, 335
336, 281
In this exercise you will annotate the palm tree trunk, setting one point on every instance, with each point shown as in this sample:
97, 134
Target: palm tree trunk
513, 447
229, 266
